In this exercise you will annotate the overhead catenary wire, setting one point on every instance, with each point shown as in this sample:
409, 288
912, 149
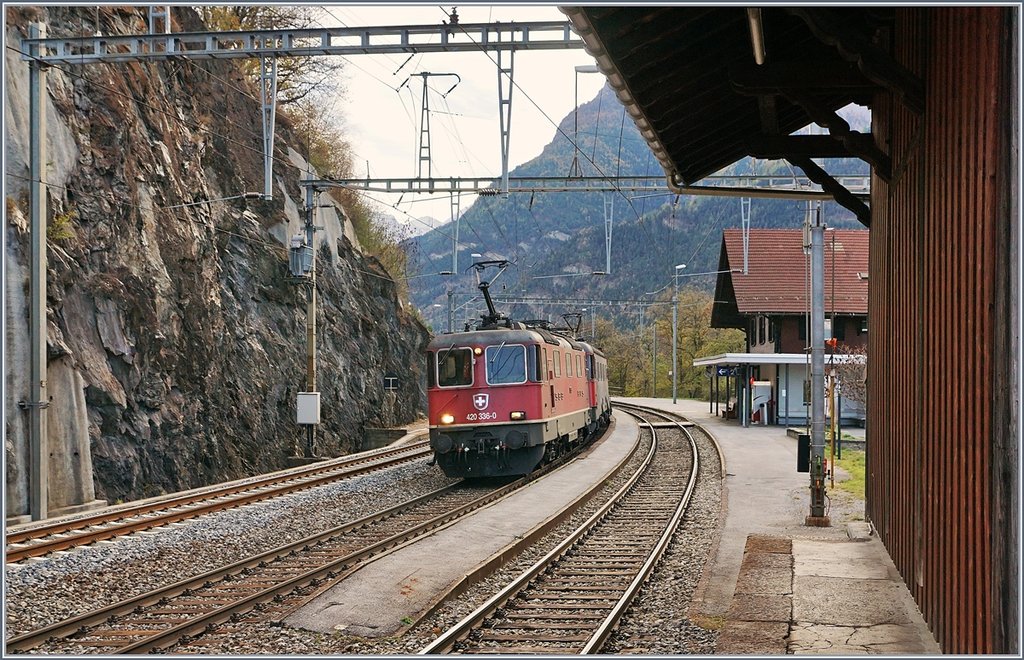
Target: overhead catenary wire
196, 125
558, 128
133, 97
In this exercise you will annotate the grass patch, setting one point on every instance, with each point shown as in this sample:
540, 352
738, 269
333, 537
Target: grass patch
710, 622
853, 463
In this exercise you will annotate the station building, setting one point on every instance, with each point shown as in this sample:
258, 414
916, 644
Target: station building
763, 289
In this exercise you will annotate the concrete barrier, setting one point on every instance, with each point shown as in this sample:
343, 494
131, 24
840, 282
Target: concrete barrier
374, 438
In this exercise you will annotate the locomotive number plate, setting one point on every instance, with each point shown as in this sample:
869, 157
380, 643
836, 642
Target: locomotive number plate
480, 417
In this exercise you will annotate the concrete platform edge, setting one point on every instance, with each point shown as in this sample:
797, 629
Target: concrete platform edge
511, 551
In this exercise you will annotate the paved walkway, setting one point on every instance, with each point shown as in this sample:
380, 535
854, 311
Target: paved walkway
390, 593
778, 586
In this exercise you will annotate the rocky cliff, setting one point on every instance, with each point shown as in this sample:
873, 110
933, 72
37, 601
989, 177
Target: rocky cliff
176, 341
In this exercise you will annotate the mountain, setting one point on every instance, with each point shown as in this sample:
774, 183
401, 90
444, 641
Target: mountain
545, 234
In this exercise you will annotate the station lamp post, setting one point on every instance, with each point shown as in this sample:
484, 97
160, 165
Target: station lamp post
436, 306
592, 310
675, 329
574, 169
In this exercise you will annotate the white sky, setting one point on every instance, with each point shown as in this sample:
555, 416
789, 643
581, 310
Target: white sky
383, 125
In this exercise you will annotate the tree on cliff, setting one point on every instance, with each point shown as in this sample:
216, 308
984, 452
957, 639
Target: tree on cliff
297, 77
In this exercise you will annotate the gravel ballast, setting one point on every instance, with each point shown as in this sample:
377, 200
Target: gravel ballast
55, 588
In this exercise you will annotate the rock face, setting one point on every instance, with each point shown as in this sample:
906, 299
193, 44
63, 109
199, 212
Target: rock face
176, 342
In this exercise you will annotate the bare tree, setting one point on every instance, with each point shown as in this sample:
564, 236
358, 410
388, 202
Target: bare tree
297, 77
853, 374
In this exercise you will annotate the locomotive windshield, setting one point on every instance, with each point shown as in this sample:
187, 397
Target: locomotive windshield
506, 364
455, 368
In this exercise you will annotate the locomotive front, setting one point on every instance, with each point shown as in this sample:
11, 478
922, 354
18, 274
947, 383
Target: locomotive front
485, 407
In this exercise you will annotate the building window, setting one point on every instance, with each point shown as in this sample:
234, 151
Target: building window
840, 329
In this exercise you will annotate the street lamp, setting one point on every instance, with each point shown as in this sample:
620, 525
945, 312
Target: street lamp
675, 328
574, 169
592, 310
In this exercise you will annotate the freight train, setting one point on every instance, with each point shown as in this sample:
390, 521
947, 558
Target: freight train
510, 395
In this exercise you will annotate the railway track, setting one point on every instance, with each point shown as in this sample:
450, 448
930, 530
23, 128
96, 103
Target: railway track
265, 586
42, 540
571, 600
163, 617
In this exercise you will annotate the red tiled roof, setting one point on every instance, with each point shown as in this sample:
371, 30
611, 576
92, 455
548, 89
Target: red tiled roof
777, 271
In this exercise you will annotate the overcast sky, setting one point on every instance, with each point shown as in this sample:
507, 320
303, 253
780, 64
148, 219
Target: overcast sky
383, 124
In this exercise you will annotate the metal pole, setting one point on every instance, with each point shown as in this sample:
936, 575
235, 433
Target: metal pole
745, 222
454, 207
451, 309
268, 97
654, 367
718, 392
675, 331
310, 318
574, 168
832, 425
505, 112
609, 212
424, 131
817, 476
728, 380
786, 397
39, 470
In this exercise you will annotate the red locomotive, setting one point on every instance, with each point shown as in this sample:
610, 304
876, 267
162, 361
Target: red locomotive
509, 395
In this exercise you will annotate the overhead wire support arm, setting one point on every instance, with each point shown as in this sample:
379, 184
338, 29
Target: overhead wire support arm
348, 41
424, 153
268, 99
722, 186
505, 86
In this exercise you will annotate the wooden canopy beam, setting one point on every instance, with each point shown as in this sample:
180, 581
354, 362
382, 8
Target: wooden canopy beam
860, 145
817, 77
855, 47
804, 146
845, 198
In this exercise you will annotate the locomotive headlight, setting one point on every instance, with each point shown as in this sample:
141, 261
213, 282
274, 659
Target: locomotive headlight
447, 418
518, 414
478, 351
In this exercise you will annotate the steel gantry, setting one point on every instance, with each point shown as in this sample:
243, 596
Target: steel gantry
308, 42
772, 187
161, 44
267, 45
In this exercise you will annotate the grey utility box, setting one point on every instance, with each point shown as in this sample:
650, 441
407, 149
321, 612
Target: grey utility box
307, 408
300, 256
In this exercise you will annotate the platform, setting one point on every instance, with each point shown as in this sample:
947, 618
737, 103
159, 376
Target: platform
392, 592
776, 586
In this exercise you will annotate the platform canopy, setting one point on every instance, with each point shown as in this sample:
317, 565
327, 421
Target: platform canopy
709, 85
740, 359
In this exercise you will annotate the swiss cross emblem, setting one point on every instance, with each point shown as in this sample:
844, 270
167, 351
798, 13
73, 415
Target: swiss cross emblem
480, 401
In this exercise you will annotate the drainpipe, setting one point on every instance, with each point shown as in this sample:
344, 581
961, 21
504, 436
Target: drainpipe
756, 33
